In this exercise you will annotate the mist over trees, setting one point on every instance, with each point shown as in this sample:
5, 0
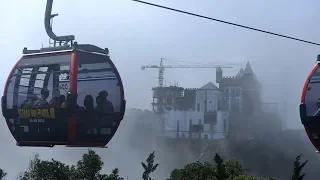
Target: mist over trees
269, 152
90, 168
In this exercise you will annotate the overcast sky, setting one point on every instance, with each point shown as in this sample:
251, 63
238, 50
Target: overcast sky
137, 34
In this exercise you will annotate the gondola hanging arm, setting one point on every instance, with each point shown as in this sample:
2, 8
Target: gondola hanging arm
48, 16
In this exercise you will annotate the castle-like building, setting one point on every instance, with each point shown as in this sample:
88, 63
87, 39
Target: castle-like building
237, 91
209, 111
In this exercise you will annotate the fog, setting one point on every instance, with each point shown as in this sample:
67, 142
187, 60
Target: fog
138, 34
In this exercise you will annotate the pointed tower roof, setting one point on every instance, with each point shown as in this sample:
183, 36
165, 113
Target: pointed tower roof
210, 85
240, 73
219, 69
248, 69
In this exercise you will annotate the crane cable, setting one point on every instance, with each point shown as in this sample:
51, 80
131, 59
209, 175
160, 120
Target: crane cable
226, 22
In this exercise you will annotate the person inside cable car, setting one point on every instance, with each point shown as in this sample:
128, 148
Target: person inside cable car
25, 102
42, 102
29, 102
90, 116
64, 104
103, 103
89, 103
104, 112
55, 101
62, 100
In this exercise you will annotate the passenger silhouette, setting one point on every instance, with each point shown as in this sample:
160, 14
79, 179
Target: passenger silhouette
62, 99
29, 103
55, 101
64, 104
90, 117
23, 103
103, 104
88, 102
42, 102
99, 104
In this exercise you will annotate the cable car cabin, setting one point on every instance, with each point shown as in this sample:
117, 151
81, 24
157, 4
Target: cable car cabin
70, 97
310, 105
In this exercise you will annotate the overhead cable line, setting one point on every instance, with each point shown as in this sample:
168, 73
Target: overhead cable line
226, 22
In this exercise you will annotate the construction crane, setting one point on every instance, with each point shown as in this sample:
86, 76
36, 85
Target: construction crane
161, 68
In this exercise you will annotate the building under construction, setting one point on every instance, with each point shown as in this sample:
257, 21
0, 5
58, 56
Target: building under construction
209, 112
229, 108
204, 112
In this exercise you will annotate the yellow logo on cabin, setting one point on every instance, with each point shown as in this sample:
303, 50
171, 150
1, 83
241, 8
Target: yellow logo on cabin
37, 113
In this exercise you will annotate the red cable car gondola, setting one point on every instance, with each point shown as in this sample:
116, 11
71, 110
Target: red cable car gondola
63, 95
310, 105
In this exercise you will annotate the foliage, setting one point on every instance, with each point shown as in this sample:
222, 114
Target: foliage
149, 168
297, 168
228, 170
2, 174
194, 171
221, 173
234, 168
89, 168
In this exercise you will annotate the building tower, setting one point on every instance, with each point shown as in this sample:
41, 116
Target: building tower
166, 98
219, 74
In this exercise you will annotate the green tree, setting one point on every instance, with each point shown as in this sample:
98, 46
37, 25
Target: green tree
51, 170
2, 174
297, 168
149, 167
234, 168
90, 165
228, 170
194, 171
88, 168
221, 173
244, 177
113, 176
